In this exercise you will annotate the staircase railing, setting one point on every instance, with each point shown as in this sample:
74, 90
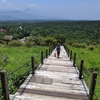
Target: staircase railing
85, 74
10, 82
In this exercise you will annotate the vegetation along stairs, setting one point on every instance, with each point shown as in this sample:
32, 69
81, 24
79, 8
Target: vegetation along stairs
55, 79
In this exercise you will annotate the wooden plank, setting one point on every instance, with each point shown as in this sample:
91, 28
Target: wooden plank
41, 79
27, 96
60, 59
58, 68
55, 94
69, 88
60, 75
56, 62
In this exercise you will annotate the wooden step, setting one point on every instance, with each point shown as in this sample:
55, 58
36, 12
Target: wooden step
27, 96
54, 94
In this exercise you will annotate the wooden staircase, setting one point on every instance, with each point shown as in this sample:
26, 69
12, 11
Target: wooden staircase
56, 79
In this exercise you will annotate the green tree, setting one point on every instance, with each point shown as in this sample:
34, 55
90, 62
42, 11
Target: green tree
50, 40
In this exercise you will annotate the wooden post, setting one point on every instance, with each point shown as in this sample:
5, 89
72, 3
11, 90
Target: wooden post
41, 57
81, 69
74, 61
4, 83
32, 60
92, 86
71, 55
46, 53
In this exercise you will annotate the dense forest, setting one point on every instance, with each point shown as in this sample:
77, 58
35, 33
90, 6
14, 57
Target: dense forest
80, 33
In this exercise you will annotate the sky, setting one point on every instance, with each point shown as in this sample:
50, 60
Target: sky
64, 9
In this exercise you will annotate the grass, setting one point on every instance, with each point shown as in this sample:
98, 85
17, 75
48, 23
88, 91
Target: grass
91, 63
11, 58
91, 57
16, 56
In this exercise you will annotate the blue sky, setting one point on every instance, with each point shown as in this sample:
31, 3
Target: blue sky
65, 9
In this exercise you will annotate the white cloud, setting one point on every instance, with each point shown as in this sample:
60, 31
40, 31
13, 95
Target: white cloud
34, 6
3, 2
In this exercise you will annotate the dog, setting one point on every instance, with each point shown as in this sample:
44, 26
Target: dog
54, 54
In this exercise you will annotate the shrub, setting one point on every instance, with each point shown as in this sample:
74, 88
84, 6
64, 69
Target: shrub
91, 47
2, 42
35, 40
78, 45
50, 41
15, 43
29, 44
83, 45
94, 43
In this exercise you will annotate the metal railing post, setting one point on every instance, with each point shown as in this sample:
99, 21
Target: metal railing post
32, 60
4, 83
92, 85
46, 53
81, 69
71, 55
41, 57
74, 60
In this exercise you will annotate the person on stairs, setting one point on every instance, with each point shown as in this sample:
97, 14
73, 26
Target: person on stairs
58, 50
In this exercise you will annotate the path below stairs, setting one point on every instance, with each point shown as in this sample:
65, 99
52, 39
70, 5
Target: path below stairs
56, 79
